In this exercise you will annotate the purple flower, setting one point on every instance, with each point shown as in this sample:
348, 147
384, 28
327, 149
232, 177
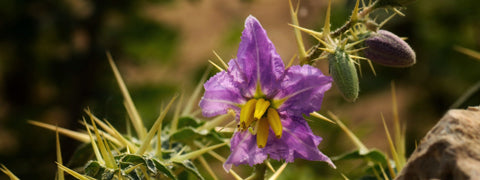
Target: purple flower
269, 102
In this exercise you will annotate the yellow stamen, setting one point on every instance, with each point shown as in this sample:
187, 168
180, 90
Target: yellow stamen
260, 108
264, 116
262, 132
246, 113
274, 122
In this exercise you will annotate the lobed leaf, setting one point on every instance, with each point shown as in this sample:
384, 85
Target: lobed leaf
190, 167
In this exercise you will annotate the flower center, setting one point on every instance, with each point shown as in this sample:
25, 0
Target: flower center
259, 113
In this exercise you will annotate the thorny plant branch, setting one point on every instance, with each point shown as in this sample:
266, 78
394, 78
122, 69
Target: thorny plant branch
315, 51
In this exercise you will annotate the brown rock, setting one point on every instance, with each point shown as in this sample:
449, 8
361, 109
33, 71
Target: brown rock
450, 150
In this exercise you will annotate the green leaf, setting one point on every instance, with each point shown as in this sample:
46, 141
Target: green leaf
373, 155
97, 171
185, 135
131, 158
127, 161
134, 176
190, 167
108, 174
153, 166
94, 169
187, 121
160, 167
377, 161
81, 155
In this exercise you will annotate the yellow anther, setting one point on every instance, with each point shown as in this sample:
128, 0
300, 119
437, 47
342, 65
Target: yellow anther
260, 108
274, 122
246, 113
262, 132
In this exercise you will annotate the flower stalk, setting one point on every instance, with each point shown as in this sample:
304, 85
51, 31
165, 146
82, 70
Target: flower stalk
259, 173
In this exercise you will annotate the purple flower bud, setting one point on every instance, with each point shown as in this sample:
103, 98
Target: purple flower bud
386, 48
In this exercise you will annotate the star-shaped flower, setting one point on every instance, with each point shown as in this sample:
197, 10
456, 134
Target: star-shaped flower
269, 102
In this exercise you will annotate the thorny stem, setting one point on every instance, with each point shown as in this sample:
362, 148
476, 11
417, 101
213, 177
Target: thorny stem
351, 22
344, 28
316, 52
259, 173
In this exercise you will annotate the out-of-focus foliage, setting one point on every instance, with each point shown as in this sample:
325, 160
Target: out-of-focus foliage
53, 65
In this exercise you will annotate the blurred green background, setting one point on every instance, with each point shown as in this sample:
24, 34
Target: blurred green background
53, 65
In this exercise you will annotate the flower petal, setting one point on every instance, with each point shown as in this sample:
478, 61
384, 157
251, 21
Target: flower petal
221, 94
297, 141
304, 87
244, 150
257, 60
